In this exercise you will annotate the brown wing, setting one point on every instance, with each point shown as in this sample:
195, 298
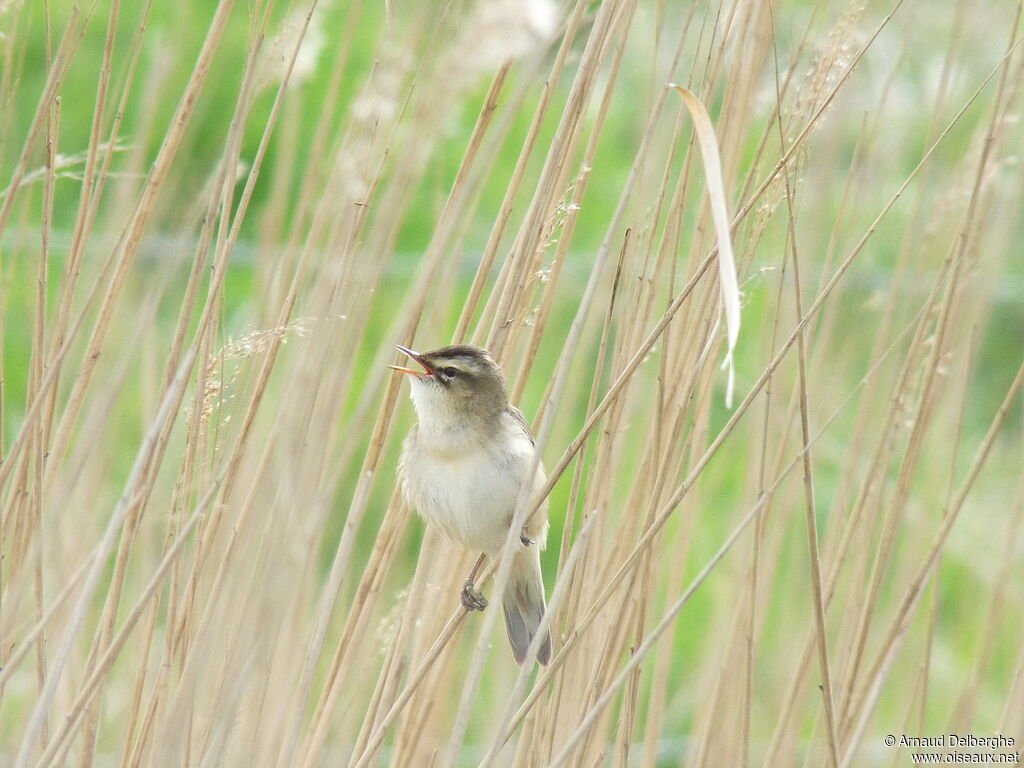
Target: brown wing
519, 419
537, 526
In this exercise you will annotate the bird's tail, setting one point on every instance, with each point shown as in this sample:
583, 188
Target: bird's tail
524, 605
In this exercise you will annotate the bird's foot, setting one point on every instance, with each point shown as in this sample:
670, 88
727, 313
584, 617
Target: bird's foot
524, 539
471, 598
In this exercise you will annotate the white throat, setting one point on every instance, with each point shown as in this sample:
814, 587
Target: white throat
443, 426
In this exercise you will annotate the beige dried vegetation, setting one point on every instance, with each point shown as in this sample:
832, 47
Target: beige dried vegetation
833, 557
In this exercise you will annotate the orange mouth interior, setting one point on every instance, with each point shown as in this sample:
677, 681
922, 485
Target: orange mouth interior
410, 371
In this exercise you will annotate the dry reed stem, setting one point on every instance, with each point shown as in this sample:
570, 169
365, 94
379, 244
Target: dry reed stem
562, 585
651, 639
914, 592
921, 419
57, 70
810, 508
167, 407
133, 233
763, 500
527, 506
117, 642
646, 539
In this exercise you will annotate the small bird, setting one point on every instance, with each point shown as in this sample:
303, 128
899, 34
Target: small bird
462, 468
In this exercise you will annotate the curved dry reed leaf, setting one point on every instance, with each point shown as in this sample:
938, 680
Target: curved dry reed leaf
720, 215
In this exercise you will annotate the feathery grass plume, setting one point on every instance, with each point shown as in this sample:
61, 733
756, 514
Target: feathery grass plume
61, 164
275, 57
504, 30
216, 380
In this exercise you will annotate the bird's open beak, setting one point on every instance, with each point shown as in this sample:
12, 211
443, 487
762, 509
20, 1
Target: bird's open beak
427, 370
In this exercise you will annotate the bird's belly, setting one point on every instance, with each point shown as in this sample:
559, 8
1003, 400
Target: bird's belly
470, 498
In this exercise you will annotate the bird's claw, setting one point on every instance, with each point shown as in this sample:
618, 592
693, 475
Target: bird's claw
524, 539
471, 598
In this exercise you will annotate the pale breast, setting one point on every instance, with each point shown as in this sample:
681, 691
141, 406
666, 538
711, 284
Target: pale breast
470, 495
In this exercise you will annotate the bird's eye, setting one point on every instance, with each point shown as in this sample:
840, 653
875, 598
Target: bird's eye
450, 372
